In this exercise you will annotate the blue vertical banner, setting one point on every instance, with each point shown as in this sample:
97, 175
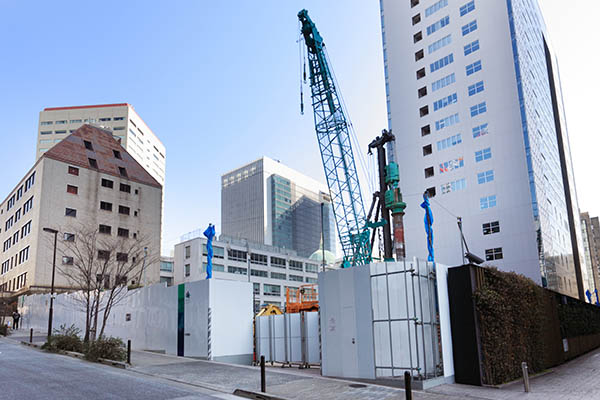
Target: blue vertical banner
597, 299
428, 226
210, 234
589, 295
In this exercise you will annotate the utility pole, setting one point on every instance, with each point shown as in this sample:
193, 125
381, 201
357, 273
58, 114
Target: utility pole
50, 312
322, 237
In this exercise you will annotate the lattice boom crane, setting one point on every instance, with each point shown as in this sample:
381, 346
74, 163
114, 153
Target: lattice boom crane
336, 150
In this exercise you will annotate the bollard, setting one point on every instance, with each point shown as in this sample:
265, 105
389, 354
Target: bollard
31, 335
263, 384
408, 385
129, 351
525, 376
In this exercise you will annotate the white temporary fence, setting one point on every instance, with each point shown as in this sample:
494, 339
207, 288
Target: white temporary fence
289, 338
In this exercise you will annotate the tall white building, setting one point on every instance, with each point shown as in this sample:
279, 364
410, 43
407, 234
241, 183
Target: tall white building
267, 202
136, 137
474, 100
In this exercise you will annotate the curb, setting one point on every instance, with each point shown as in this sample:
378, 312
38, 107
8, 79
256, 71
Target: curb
255, 395
74, 354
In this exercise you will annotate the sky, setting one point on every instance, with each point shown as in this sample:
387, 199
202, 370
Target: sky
219, 83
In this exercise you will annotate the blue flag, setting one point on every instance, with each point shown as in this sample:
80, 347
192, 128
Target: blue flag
589, 295
597, 299
210, 234
428, 226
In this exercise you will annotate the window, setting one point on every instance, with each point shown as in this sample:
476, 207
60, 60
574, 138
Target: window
103, 255
124, 210
421, 73
427, 150
480, 130
107, 183
237, 270
422, 91
452, 165
472, 68
467, 8
60, 132
69, 237
73, 171
438, 44
105, 229
478, 109
28, 205
442, 62
46, 133
484, 177
449, 142
493, 254
71, 212
88, 145
117, 154
470, 27
435, 7
423, 111
445, 102
258, 272
413, 3
476, 88
311, 280
491, 227
312, 267
446, 122
46, 123
122, 257
416, 19
125, 188
271, 290
29, 182
237, 255
123, 172
419, 55
487, 202
454, 186
429, 172
484, 154
61, 122
471, 47
436, 26
418, 36
122, 232
278, 262
295, 278
260, 259
443, 82
72, 189
26, 229
105, 206
187, 269
93, 163
425, 130
76, 121
296, 265
105, 119
188, 251
67, 260
278, 275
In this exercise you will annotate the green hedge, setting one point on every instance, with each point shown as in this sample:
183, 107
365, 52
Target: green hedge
578, 319
512, 320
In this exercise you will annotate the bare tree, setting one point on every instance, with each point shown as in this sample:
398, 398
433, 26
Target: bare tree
100, 266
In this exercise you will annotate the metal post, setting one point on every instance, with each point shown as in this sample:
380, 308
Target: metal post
50, 312
31, 335
323, 237
525, 376
129, 351
407, 385
462, 245
263, 383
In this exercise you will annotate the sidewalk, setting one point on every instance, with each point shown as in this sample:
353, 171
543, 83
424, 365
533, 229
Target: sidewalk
577, 379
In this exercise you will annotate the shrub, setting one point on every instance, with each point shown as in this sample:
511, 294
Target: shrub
110, 348
65, 339
4, 330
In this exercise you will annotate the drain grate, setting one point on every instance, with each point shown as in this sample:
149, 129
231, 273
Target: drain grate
357, 385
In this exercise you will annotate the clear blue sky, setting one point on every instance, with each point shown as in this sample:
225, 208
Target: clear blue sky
218, 82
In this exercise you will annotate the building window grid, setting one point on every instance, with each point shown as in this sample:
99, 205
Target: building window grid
467, 8
478, 109
447, 122
443, 82
440, 43
487, 202
441, 63
476, 88
435, 7
491, 227
452, 165
445, 102
494, 254
436, 26
474, 67
484, 154
449, 142
454, 186
471, 47
485, 177
480, 130
468, 28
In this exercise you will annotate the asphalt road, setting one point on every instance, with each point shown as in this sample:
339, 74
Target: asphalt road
35, 375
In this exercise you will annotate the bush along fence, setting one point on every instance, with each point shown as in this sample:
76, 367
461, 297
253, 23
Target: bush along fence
500, 319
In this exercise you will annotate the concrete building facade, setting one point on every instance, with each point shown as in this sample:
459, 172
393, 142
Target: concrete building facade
590, 228
136, 137
272, 269
87, 181
267, 202
474, 99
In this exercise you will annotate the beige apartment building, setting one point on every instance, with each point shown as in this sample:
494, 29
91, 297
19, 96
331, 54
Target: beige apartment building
86, 180
136, 137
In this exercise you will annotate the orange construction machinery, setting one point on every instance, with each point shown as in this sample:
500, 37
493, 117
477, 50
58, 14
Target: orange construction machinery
304, 298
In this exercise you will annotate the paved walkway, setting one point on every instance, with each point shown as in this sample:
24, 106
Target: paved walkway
578, 379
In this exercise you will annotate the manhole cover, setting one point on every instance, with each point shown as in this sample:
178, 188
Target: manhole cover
357, 385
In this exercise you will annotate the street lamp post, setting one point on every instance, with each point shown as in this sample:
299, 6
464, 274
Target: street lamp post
55, 232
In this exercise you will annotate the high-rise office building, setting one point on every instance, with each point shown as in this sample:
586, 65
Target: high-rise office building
474, 99
590, 228
136, 137
266, 202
